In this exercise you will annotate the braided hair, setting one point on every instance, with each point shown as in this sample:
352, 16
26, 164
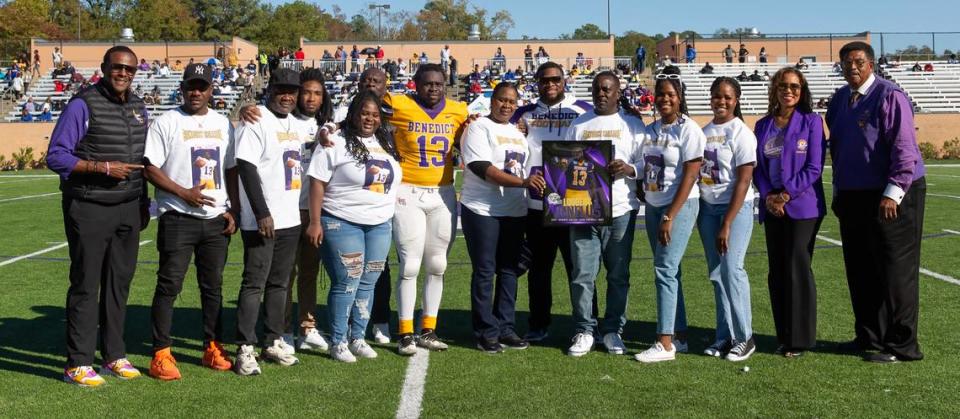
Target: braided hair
719, 81
677, 85
351, 129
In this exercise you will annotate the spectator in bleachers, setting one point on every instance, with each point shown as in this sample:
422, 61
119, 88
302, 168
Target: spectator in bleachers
35, 66
25, 115
916, 67
355, 59
57, 58
836, 67
453, 71
883, 62
46, 111
29, 105
380, 54
299, 55
69, 69
801, 65
499, 62
706, 69
756, 76
766, 75
95, 77
763, 55
743, 77
58, 86
476, 75
76, 78
641, 56
401, 67
952, 60
143, 66
588, 70
691, 53
445, 57
743, 53
326, 55
220, 104
475, 90
17, 86
411, 86
423, 58
542, 56
251, 67
509, 76
575, 71
164, 71
178, 66
728, 54
581, 60
928, 67
822, 103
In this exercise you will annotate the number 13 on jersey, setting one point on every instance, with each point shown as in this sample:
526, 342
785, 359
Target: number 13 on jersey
433, 152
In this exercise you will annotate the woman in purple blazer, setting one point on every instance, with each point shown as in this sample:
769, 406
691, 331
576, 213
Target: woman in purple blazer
790, 153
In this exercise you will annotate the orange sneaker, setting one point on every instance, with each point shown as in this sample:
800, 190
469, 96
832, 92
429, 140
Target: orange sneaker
215, 357
163, 366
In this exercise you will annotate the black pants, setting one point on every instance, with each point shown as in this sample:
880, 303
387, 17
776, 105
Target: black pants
103, 242
543, 243
882, 263
381, 297
266, 274
179, 237
793, 292
494, 247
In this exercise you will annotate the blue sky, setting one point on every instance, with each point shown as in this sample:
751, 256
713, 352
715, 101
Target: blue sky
549, 19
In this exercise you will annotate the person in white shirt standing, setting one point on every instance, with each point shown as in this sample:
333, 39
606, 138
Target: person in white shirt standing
726, 218
186, 151
549, 119
613, 244
445, 58
353, 196
267, 158
493, 210
672, 154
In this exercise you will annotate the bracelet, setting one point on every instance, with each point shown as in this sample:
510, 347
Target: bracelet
94, 167
108, 168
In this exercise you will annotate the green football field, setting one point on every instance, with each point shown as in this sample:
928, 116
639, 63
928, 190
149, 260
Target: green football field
464, 382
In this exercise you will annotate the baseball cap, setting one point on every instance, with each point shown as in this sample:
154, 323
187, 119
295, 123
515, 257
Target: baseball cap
285, 77
198, 71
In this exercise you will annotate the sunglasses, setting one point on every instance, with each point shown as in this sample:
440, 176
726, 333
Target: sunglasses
116, 68
789, 86
662, 76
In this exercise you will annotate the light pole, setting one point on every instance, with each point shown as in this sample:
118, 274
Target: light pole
380, 8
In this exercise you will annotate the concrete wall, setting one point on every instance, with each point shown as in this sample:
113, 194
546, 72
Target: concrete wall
931, 128
467, 52
90, 54
779, 49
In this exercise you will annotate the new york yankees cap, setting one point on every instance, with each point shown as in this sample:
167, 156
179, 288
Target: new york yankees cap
198, 71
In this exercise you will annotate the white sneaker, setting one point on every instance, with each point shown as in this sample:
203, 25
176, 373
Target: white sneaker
246, 362
288, 342
718, 348
313, 340
681, 346
582, 344
340, 352
614, 343
281, 353
360, 348
656, 353
381, 333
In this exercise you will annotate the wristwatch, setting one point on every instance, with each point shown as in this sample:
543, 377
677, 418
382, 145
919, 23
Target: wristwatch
782, 197
665, 218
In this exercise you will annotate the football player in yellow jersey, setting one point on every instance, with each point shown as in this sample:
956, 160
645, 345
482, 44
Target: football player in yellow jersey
427, 126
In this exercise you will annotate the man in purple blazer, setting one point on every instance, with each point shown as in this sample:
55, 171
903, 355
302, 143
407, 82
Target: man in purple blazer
879, 192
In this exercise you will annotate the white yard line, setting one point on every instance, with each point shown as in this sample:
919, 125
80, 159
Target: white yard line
927, 272
943, 196
38, 252
939, 175
23, 176
411, 396
29, 196
951, 232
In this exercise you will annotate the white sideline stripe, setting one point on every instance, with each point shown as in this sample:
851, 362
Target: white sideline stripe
411, 396
23, 176
38, 252
29, 196
939, 175
944, 196
927, 272
952, 232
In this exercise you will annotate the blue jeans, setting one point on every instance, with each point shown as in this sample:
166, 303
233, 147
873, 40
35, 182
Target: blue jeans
588, 246
354, 255
731, 286
671, 313
494, 247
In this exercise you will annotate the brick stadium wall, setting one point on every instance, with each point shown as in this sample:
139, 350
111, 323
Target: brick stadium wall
931, 128
779, 49
90, 54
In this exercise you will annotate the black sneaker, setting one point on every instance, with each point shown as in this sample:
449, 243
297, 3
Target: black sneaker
407, 345
536, 335
429, 340
742, 350
514, 342
490, 346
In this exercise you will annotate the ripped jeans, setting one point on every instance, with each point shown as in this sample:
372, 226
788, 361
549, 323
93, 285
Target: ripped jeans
354, 255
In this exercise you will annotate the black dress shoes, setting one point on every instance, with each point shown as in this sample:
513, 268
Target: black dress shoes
882, 358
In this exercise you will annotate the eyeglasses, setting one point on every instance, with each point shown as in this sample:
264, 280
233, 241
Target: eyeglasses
662, 76
789, 86
116, 68
548, 80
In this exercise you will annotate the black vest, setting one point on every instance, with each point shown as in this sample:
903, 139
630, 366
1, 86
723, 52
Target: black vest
115, 132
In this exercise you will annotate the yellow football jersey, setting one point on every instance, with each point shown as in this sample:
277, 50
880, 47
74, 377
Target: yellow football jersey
425, 141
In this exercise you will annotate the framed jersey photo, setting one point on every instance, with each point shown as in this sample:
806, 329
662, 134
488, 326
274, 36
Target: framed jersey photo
578, 183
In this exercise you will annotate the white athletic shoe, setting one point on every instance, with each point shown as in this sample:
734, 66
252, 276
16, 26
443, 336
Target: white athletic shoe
656, 353
288, 342
582, 344
381, 333
614, 344
360, 349
246, 362
281, 353
313, 340
340, 352
407, 345
718, 348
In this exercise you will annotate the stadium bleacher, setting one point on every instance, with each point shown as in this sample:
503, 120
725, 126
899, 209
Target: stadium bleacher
933, 91
44, 87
